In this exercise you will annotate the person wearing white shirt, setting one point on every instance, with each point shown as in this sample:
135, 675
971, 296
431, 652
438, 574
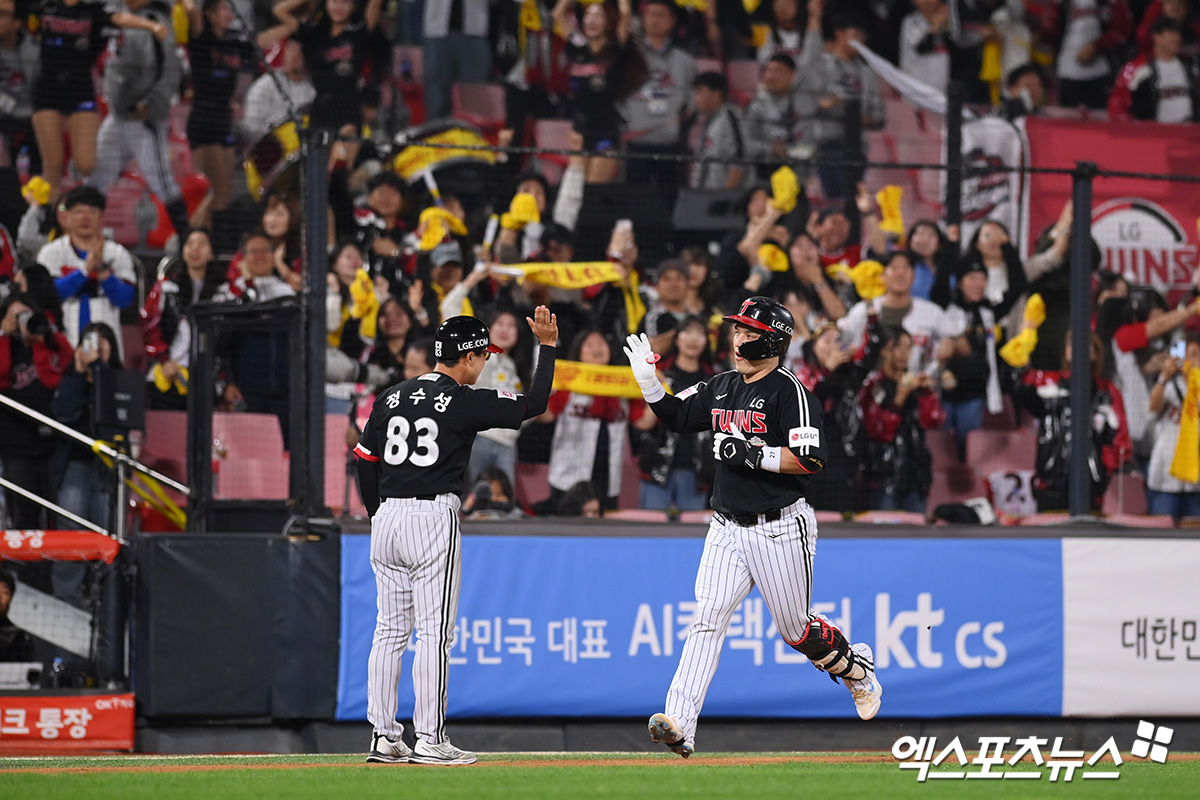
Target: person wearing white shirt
266, 106
925, 43
94, 276
925, 321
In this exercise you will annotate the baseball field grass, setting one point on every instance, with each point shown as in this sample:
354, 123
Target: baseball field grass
573, 775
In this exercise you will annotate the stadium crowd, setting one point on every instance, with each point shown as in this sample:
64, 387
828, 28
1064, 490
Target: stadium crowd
904, 332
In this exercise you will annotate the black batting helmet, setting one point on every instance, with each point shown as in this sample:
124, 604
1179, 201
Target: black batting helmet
458, 336
773, 319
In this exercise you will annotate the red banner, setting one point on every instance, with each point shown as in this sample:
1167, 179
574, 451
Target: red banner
58, 546
41, 724
1146, 229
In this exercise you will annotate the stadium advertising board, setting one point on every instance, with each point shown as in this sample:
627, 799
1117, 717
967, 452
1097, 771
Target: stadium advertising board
44, 724
1131, 643
551, 626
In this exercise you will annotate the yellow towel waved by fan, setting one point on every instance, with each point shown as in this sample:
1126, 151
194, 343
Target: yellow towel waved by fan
1016, 351
1186, 464
521, 211
867, 277
771, 256
890, 219
784, 189
36, 191
434, 223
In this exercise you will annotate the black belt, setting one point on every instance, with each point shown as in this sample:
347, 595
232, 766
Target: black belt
748, 520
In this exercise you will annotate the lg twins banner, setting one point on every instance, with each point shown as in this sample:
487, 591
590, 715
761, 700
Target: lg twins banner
593, 627
992, 142
1146, 229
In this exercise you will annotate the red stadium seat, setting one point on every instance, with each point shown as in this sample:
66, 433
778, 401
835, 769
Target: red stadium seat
742, 74
990, 451
708, 65
954, 485
891, 518
252, 479
552, 134
481, 104
943, 446
1141, 521
532, 484
249, 436
336, 477
1126, 495
164, 444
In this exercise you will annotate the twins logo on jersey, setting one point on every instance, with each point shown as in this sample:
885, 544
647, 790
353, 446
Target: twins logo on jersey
748, 421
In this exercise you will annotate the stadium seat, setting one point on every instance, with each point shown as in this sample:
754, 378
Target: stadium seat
335, 468
1126, 495
696, 517
954, 485
164, 443
481, 104
708, 65
637, 514
828, 516
134, 347
1142, 521
252, 479
943, 447
552, 134
742, 74
1045, 519
891, 518
249, 436
1006, 420
989, 451
531, 484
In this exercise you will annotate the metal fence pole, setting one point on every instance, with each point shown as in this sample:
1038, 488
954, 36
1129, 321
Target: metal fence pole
954, 160
1080, 485
310, 443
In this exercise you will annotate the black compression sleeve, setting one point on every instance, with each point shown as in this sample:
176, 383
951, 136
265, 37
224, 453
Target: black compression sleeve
368, 484
538, 396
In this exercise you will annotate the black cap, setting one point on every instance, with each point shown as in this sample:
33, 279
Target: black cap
458, 336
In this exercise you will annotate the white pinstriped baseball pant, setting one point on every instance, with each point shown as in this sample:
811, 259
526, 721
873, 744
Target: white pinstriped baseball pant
778, 558
416, 554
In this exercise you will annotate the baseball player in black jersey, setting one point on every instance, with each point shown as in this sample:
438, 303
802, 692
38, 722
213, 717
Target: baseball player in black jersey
413, 455
767, 441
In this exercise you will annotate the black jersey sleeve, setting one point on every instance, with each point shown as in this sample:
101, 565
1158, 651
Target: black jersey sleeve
690, 411
538, 396
803, 421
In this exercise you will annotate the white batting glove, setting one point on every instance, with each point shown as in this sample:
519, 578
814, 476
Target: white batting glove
642, 359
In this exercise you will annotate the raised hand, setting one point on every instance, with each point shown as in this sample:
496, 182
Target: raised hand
544, 326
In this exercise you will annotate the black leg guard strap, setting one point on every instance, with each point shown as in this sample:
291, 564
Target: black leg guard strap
827, 649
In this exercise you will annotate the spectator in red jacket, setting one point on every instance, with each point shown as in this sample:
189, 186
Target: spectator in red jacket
1158, 86
898, 407
33, 357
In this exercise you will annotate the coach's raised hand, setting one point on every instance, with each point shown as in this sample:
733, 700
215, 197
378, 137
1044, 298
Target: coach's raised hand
544, 326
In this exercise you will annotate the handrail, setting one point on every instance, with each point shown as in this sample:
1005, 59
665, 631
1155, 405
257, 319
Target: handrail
78, 520
95, 444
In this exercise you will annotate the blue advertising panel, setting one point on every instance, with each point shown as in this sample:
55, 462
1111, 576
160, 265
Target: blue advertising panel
555, 626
